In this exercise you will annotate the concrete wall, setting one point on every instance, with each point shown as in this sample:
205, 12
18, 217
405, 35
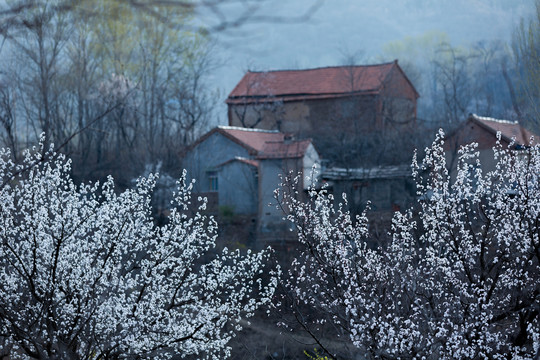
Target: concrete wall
329, 122
397, 111
205, 156
336, 125
269, 216
238, 187
311, 167
271, 171
285, 116
304, 117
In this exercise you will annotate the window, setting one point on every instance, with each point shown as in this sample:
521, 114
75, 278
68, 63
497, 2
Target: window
212, 180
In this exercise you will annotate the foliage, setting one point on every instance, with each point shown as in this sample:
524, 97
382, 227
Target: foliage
116, 87
459, 277
86, 274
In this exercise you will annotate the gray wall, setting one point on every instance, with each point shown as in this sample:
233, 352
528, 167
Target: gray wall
271, 218
213, 151
238, 187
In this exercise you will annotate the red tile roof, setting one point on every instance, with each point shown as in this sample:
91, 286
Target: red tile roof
321, 82
510, 130
254, 139
263, 144
284, 150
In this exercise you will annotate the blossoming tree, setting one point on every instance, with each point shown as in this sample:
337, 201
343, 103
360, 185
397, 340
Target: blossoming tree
459, 277
85, 273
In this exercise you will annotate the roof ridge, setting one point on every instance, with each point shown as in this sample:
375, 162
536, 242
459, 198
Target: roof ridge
291, 141
500, 121
322, 67
227, 127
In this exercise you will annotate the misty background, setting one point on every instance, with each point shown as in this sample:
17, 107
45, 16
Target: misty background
126, 88
366, 31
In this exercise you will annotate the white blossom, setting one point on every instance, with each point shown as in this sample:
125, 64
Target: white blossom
459, 277
85, 273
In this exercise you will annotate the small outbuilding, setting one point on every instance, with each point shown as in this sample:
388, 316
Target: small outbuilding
238, 169
483, 131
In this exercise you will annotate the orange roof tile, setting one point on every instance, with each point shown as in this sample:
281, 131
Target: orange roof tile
254, 139
284, 150
328, 81
266, 144
510, 130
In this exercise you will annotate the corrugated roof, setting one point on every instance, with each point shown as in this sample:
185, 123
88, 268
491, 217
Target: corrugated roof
510, 130
320, 82
379, 172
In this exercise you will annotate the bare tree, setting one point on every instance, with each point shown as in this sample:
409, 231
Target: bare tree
218, 15
453, 80
137, 96
261, 112
8, 116
526, 46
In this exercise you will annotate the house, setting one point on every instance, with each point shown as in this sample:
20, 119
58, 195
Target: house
343, 109
239, 169
483, 131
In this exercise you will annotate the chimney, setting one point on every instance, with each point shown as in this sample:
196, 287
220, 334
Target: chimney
288, 138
